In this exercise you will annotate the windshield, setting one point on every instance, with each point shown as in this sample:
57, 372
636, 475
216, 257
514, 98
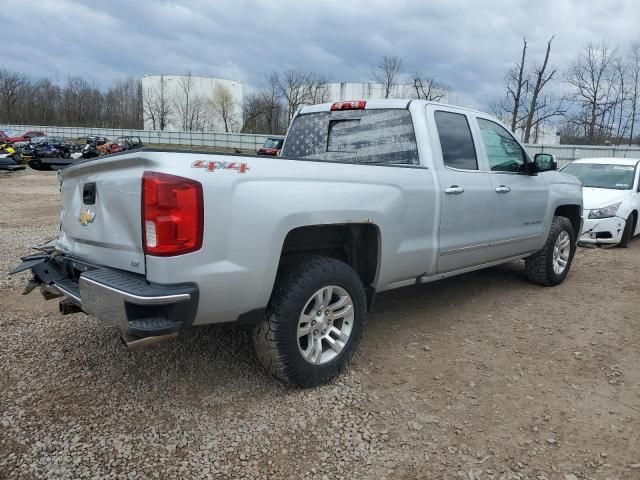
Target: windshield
272, 143
597, 175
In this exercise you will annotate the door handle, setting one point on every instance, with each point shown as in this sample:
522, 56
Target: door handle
503, 189
454, 190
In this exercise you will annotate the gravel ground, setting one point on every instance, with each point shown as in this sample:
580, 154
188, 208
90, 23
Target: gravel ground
479, 377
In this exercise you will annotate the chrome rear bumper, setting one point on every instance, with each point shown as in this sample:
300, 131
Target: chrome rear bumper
139, 308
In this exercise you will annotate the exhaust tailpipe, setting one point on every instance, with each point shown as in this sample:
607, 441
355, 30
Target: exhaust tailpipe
134, 343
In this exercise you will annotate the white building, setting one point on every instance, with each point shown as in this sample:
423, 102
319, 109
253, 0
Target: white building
200, 111
545, 135
363, 91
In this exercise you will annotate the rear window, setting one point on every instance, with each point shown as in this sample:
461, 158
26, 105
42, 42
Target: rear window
383, 136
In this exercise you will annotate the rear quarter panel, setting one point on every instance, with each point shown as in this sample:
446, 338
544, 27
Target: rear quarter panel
249, 214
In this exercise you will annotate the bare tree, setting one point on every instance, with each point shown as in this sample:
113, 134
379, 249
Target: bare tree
547, 107
538, 113
123, 104
189, 105
386, 73
77, 102
223, 106
184, 101
46, 96
263, 112
428, 88
517, 86
149, 105
12, 91
634, 89
297, 88
292, 86
512, 107
162, 105
589, 76
318, 89
620, 100
83, 103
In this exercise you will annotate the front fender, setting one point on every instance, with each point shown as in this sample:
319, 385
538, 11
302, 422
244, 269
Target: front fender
564, 190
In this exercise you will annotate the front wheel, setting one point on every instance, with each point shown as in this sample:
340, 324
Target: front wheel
313, 323
627, 233
551, 264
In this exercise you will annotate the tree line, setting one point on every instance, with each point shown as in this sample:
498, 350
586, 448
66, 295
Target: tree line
595, 100
127, 104
270, 109
75, 102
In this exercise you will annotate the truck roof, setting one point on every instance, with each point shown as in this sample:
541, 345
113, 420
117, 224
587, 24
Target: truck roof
381, 103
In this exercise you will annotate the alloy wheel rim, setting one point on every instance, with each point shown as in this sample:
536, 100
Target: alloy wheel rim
561, 251
325, 325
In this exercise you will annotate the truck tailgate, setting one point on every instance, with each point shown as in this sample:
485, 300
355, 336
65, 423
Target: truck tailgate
100, 212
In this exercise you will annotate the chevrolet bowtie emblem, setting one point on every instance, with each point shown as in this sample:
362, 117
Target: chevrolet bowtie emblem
86, 217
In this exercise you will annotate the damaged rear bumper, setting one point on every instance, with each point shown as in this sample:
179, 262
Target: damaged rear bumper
141, 309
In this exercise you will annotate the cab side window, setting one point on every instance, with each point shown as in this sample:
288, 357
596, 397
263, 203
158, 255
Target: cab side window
458, 150
503, 151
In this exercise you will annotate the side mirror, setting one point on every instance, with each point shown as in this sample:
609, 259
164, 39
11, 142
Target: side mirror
544, 162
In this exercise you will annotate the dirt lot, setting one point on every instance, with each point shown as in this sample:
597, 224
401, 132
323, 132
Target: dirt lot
478, 377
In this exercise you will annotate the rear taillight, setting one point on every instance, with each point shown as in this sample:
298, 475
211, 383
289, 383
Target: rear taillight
349, 105
172, 214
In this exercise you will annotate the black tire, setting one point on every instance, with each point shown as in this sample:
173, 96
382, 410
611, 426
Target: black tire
627, 233
275, 335
539, 266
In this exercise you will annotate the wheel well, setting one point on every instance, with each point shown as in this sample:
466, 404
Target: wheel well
572, 212
355, 244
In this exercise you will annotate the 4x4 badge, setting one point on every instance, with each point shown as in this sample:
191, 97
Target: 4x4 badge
86, 217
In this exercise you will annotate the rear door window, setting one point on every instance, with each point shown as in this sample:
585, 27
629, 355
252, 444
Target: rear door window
384, 136
456, 141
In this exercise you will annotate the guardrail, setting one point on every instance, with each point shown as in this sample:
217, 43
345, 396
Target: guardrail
244, 141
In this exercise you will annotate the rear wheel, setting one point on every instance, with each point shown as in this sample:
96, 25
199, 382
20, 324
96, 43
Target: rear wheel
313, 323
551, 264
627, 233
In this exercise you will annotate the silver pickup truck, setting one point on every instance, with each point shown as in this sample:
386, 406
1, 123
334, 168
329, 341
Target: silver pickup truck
367, 197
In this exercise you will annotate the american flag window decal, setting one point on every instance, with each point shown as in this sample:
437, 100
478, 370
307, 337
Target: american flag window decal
383, 136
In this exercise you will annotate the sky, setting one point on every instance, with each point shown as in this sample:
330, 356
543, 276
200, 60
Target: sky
467, 45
